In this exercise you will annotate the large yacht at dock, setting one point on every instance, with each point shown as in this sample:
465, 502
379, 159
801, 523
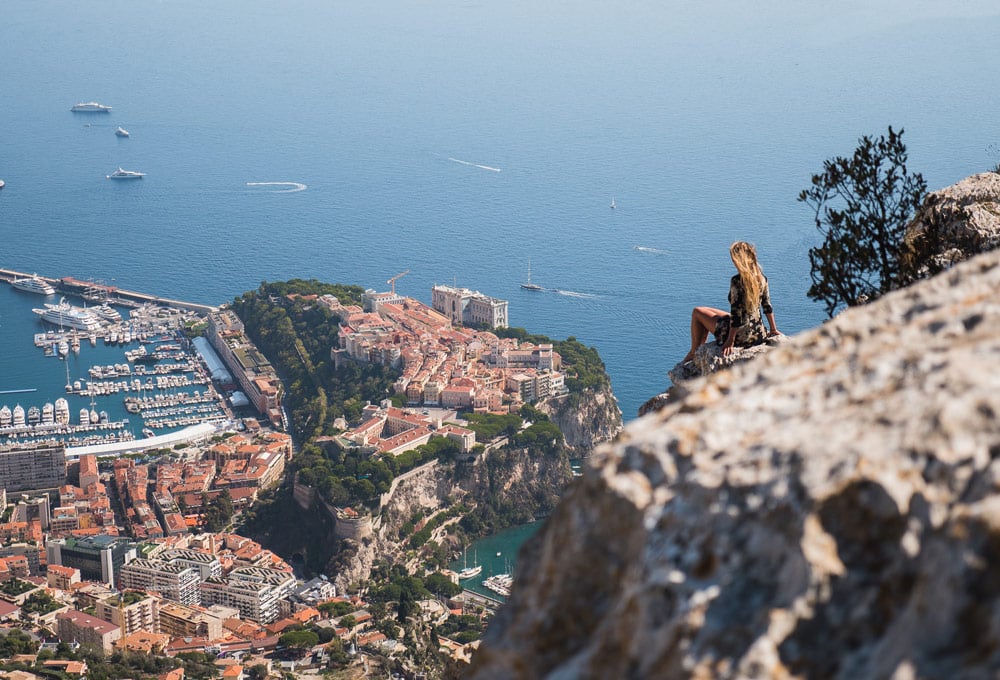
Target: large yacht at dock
67, 316
33, 284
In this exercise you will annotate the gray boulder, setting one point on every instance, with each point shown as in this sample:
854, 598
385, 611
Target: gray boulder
828, 510
953, 224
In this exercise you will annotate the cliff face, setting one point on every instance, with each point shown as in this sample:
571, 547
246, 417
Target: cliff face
520, 479
595, 418
829, 509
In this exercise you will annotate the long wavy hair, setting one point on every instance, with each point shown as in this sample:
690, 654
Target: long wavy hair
745, 258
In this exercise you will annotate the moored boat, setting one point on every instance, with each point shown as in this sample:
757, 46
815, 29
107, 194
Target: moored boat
121, 132
33, 284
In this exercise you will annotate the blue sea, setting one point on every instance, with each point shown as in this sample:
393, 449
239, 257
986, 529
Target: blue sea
456, 139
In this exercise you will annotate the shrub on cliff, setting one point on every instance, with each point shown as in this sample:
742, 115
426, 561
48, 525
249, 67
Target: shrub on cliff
862, 205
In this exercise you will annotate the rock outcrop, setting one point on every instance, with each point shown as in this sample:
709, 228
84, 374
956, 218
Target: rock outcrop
830, 509
707, 360
586, 420
952, 225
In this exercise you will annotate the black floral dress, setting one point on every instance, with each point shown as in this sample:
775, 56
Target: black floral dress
749, 327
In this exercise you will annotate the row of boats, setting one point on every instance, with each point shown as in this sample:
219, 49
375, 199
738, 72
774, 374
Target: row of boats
95, 107
49, 414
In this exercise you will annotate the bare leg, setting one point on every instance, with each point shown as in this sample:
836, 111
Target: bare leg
703, 320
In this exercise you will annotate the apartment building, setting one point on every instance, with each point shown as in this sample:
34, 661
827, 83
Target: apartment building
174, 582
130, 611
76, 627
32, 467
178, 620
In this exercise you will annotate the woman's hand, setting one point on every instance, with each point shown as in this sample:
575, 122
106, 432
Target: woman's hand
774, 332
727, 349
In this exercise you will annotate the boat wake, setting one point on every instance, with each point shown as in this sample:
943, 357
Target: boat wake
295, 186
474, 165
654, 251
571, 293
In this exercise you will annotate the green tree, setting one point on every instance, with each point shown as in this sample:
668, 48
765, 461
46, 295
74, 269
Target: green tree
862, 205
299, 639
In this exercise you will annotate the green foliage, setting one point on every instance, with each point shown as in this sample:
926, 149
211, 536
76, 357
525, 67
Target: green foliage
296, 335
299, 639
16, 586
217, 513
462, 629
544, 436
489, 426
40, 603
336, 608
862, 205
439, 584
16, 642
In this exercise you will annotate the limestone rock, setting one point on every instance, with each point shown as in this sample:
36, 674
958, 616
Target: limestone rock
707, 359
952, 225
586, 421
828, 510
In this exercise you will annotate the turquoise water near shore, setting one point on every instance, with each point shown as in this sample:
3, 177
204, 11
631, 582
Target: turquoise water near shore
497, 554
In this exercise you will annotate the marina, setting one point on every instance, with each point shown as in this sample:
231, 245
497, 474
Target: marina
126, 369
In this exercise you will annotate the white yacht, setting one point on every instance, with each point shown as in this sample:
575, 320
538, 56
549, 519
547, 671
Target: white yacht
33, 284
121, 132
126, 174
5, 416
108, 313
64, 314
48, 413
18, 415
62, 411
91, 107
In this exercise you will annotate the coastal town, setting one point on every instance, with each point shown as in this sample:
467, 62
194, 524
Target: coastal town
132, 543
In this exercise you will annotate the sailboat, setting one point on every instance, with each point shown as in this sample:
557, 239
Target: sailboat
612, 202
528, 285
467, 571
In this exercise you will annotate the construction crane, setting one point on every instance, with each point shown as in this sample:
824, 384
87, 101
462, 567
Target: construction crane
392, 281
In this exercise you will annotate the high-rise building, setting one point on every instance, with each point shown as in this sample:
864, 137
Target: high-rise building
33, 467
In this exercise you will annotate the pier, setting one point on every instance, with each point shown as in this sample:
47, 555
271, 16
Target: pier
97, 292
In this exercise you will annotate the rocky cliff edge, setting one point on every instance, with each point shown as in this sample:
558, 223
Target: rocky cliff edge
829, 509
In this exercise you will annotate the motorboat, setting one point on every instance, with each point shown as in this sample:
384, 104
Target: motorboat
108, 313
121, 132
33, 284
1, 184
91, 107
126, 174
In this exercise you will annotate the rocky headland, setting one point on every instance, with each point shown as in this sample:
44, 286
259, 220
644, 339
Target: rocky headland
829, 509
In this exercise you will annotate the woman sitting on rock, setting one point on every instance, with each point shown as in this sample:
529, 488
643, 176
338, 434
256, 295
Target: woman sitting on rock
748, 297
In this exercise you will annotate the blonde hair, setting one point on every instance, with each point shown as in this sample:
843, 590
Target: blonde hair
745, 258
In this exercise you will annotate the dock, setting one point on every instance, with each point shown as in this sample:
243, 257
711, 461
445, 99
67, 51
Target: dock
99, 292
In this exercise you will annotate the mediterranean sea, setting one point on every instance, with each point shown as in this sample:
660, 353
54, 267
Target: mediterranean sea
456, 139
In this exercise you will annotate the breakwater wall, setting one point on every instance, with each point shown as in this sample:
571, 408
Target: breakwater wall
96, 291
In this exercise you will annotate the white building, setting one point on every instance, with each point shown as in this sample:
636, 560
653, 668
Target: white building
469, 307
174, 582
